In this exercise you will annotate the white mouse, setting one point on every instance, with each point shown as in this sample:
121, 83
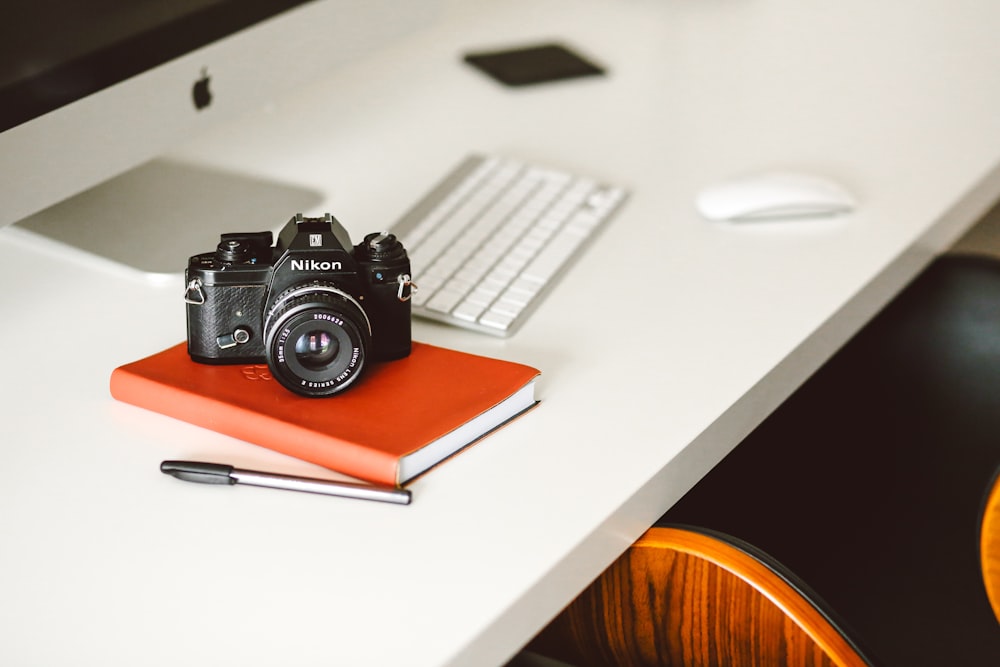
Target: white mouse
773, 196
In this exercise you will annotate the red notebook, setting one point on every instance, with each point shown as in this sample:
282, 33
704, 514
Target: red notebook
398, 420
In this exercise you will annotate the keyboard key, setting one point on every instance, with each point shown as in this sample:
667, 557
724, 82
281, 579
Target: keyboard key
469, 311
444, 300
496, 320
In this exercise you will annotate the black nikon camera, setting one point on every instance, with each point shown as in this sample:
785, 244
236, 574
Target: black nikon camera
313, 307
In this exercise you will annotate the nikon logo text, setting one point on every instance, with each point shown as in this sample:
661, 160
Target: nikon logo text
314, 265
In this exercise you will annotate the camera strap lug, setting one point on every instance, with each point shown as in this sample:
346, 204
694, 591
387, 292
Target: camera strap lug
406, 287
193, 293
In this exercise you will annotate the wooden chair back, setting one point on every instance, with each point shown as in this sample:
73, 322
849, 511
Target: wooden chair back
990, 546
687, 599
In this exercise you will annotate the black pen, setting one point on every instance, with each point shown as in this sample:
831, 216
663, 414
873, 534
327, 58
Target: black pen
218, 473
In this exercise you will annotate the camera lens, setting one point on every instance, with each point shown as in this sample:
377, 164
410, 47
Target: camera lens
316, 339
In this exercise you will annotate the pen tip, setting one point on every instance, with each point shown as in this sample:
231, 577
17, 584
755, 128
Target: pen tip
197, 471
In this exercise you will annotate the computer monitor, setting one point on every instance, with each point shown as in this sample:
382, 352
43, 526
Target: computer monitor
91, 91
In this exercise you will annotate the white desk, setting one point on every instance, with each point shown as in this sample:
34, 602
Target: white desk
671, 339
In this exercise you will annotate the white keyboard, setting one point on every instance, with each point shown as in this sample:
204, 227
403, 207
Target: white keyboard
493, 238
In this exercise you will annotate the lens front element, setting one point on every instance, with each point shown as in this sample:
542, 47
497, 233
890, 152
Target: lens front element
316, 339
316, 349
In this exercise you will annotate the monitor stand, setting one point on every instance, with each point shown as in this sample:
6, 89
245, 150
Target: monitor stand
152, 218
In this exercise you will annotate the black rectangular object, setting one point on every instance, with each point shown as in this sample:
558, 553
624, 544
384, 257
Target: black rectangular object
533, 65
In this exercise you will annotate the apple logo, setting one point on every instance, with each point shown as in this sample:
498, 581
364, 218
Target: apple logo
200, 92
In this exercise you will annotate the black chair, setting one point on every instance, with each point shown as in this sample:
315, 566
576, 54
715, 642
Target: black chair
863, 494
